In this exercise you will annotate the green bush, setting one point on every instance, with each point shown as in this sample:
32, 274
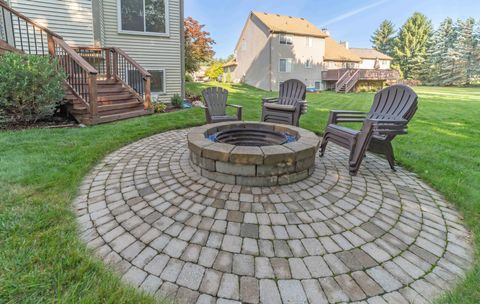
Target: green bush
31, 88
188, 78
159, 106
176, 100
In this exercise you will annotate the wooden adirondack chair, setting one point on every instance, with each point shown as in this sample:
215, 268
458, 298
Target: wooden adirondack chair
392, 109
216, 106
288, 106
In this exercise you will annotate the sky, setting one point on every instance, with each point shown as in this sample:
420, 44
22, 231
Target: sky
347, 20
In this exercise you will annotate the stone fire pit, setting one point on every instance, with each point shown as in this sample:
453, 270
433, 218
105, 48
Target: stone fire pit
252, 153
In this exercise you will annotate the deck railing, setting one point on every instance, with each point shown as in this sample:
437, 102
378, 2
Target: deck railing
114, 63
364, 74
81, 76
133, 74
24, 34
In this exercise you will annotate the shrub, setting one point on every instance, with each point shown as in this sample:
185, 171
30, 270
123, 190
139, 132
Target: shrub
188, 78
176, 100
31, 88
159, 106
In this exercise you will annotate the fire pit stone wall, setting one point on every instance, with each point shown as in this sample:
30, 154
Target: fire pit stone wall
267, 165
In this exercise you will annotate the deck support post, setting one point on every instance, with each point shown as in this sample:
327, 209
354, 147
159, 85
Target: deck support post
147, 104
92, 96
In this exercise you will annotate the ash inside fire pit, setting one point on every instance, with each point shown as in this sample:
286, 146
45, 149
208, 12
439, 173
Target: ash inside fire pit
252, 137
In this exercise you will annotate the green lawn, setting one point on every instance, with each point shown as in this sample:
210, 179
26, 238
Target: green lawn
42, 260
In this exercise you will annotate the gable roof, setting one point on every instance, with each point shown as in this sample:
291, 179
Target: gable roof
232, 62
334, 51
290, 25
365, 53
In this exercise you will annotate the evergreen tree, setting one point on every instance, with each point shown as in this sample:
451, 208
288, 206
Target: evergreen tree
436, 68
383, 38
411, 45
465, 46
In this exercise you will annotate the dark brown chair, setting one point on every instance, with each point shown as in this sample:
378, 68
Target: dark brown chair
288, 106
216, 106
392, 109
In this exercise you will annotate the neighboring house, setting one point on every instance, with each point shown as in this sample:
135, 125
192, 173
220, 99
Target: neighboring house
273, 48
229, 71
199, 75
372, 59
148, 32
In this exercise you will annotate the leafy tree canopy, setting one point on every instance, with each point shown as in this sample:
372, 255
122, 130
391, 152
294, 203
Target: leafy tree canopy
198, 45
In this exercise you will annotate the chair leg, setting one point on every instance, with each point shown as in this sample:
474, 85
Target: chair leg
390, 156
323, 145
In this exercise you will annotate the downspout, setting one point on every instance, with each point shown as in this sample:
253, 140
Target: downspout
270, 59
182, 48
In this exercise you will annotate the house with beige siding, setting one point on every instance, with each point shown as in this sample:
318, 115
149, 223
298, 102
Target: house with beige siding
149, 31
273, 48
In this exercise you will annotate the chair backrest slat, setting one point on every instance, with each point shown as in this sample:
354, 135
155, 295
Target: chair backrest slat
216, 100
393, 103
292, 91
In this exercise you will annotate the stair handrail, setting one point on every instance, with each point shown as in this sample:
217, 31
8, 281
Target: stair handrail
142, 86
342, 80
352, 81
28, 28
82, 77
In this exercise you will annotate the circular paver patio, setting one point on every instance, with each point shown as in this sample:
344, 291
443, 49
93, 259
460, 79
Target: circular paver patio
380, 236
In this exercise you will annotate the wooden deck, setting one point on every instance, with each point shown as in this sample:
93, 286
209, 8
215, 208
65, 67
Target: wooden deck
335, 75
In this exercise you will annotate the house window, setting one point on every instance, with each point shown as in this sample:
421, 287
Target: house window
309, 41
244, 45
285, 65
308, 64
318, 85
286, 39
143, 16
157, 81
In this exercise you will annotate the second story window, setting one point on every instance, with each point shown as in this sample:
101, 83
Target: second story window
285, 65
143, 16
286, 39
309, 41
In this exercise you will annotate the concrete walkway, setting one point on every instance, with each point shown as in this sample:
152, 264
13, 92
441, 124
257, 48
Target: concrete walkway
379, 237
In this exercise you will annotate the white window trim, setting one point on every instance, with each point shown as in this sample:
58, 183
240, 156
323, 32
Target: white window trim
164, 81
167, 22
309, 42
286, 64
286, 36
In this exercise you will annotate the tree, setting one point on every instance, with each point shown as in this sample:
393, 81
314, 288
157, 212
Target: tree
215, 70
411, 45
440, 60
383, 38
198, 45
466, 47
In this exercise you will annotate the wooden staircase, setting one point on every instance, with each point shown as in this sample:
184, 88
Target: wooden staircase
102, 85
347, 81
114, 101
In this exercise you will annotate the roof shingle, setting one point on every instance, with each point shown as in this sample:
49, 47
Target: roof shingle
290, 25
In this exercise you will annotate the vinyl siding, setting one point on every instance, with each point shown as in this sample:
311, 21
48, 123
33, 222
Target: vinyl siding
299, 52
152, 52
71, 19
253, 55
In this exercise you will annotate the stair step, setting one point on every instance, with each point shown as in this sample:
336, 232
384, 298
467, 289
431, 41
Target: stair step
119, 106
113, 97
125, 115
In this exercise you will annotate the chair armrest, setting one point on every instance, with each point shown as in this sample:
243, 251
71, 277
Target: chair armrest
337, 116
388, 127
303, 106
269, 99
239, 110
